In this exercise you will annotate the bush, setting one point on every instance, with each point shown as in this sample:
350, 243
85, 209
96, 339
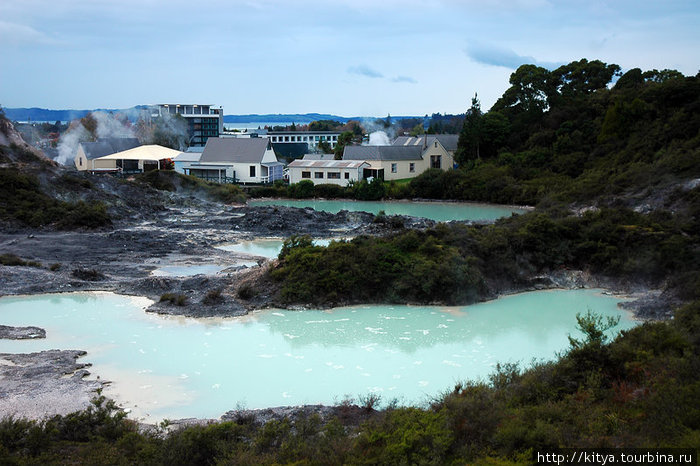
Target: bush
174, 298
213, 297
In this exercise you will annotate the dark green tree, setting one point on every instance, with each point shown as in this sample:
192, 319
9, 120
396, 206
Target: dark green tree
471, 135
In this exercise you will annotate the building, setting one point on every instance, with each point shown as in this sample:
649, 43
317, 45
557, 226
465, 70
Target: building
240, 160
139, 159
203, 121
340, 172
183, 161
447, 141
388, 162
88, 152
407, 157
310, 138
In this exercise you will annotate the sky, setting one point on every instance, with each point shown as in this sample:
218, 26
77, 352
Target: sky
344, 57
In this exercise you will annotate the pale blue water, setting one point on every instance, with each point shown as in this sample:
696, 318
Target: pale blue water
264, 247
167, 367
187, 270
438, 211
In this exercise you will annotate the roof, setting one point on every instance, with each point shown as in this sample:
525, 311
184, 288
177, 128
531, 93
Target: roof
326, 164
241, 150
150, 152
319, 157
448, 141
382, 153
188, 157
107, 146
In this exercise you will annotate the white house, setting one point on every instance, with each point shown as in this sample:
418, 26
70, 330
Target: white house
340, 172
244, 160
139, 159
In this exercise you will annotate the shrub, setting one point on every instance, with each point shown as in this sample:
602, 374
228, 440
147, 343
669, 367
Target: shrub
247, 292
174, 298
213, 297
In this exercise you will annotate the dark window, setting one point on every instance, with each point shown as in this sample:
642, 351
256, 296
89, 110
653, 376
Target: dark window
393, 168
347, 175
318, 174
252, 170
333, 175
412, 167
306, 174
435, 161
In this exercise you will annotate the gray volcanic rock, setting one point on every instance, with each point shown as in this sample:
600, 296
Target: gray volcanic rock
21, 333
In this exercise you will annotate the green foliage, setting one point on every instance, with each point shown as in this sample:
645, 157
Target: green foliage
25, 202
369, 191
168, 180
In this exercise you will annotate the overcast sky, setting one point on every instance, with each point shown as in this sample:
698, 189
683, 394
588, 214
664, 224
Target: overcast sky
346, 57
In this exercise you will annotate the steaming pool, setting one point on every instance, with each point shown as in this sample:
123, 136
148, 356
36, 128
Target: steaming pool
438, 211
174, 367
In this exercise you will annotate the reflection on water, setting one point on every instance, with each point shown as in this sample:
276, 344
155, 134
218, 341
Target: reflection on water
438, 211
180, 367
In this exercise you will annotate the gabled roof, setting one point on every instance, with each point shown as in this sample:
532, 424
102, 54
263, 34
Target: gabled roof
326, 164
107, 146
236, 150
448, 141
151, 152
382, 153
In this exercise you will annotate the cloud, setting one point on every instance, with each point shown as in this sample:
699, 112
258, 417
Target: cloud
13, 33
404, 79
499, 56
364, 70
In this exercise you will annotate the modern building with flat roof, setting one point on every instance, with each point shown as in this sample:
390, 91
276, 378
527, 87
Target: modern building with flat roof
203, 121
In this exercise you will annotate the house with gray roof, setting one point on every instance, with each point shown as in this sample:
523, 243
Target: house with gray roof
398, 162
88, 152
240, 160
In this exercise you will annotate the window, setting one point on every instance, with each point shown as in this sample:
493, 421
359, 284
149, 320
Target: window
286, 139
252, 171
412, 167
347, 175
318, 174
435, 143
306, 174
333, 175
80, 161
435, 161
393, 168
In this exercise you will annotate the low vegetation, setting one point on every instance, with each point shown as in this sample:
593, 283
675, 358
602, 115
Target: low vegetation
169, 180
25, 203
458, 264
306, 189
174, 298
640, 389
11, 260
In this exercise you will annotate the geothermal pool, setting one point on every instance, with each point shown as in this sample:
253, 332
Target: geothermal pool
264, 247
438, 211
170, 367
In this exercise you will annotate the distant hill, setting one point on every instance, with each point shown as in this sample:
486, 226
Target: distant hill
43, 114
